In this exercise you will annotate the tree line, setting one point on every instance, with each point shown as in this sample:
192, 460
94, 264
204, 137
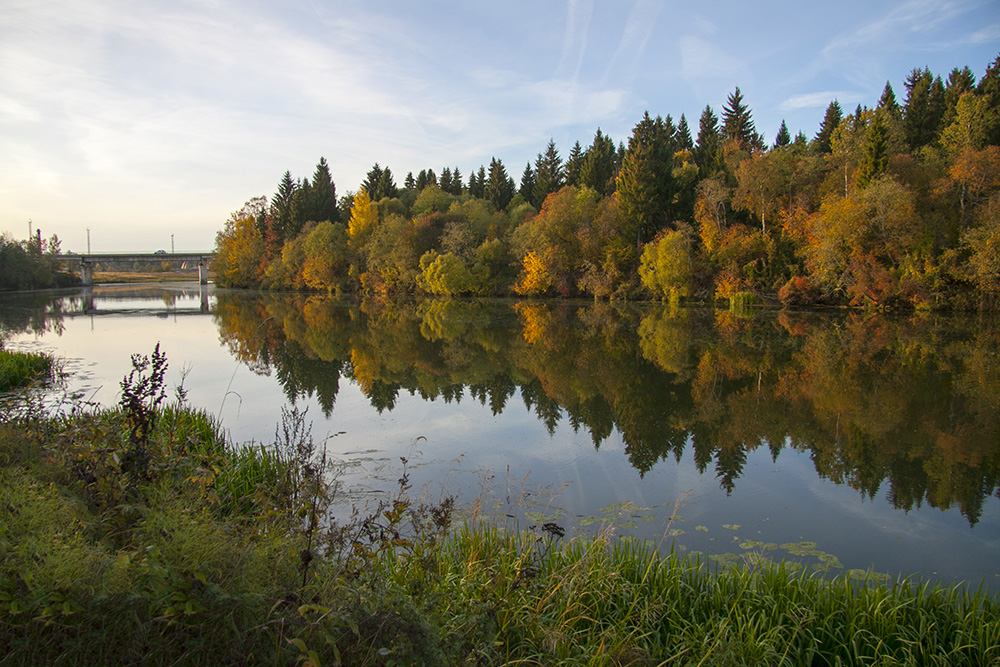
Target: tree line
895, 205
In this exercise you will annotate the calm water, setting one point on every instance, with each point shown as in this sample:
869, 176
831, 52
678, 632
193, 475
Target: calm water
876, 438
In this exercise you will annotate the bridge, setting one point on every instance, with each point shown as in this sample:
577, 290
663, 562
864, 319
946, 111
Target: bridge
88, 261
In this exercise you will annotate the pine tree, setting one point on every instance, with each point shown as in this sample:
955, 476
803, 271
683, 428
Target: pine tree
323, 195
548, 174
527, 189
499, 187
924, 108
387, 185
960, 81
573, 164
281, 208
989, 89
737, 122
783, 138
888, 100
645, 182
875, 156
409, 182
684, 140
831, 120
456, 182
370, 184
444, 182
708, 150
598, 168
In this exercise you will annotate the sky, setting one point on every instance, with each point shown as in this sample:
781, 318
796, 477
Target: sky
148, 122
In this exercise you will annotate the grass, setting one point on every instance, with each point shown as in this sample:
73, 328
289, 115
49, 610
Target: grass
139, 536
18, 369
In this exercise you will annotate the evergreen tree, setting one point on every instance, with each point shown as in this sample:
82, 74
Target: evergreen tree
444, 182
573, 164
783, 138
499, 187
924, 108
387, 185
370, 184
831, 120
960, 81
875, 155
989, 89
737, 123
548, 174
888, 101
684, 140
527, 189
477, 183
281, 209
599, 162
323, 195
708, 150
645, 182
456, 182
409, 183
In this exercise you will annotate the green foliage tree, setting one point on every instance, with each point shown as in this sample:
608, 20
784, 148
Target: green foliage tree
924, 108
666, 265
708, 149
783, 138
322, 202
326, 259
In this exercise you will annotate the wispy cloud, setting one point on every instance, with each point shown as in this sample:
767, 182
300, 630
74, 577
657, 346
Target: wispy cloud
820, 99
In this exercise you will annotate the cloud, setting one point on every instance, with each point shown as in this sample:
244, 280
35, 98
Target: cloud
820, 99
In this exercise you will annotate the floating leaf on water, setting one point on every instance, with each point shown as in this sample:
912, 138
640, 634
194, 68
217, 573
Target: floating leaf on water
703, 529
731, 526
751, 544
675, 532
587, 521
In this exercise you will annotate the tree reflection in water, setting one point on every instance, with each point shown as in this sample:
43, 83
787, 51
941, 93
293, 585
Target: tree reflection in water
911, 403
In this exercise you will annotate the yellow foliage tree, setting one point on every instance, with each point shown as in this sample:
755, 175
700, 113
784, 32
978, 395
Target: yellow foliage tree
535, 277
364, 217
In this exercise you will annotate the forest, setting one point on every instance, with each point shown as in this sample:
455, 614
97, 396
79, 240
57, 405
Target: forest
891, 206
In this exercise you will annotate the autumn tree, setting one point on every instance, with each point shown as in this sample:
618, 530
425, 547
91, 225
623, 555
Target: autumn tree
326, 258
666, 265
239, 248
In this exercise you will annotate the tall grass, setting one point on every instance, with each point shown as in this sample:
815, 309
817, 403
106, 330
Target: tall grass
18, 369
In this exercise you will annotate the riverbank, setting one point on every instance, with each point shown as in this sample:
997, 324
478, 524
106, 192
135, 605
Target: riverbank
139, 535
18, 369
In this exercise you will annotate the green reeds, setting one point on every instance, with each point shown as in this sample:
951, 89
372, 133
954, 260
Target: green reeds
18, 369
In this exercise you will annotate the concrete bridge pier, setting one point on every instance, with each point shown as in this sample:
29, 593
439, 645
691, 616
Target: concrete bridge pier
86, 273
203, 271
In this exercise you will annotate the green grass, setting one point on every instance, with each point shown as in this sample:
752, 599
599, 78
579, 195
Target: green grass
18, 369
179, 548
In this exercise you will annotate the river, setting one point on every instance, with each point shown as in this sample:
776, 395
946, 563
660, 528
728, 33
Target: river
844, 442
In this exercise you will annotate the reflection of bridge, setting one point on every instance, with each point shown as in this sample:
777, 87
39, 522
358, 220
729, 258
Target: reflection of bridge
88, 261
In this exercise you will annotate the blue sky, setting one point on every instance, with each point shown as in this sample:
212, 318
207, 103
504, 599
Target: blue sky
144, 119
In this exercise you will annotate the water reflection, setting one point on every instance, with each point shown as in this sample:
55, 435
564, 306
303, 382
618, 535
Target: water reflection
909, 406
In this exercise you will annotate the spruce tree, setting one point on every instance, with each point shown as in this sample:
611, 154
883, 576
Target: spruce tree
598, 168
281, 208
888, 101
499, 187
645, 182
831, 120
548, 174
708, 149
737, 122
960, 81
875, 155
924, 108
684, 140
573, 164
527, 189
322, 201
988, 88
783, 138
